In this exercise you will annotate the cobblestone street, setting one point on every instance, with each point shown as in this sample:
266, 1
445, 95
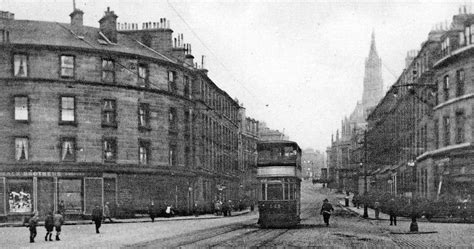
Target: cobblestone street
346, 230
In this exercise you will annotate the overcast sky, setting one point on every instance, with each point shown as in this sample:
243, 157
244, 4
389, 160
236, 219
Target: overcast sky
296, 65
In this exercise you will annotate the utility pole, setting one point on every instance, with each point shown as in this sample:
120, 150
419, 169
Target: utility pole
365, 215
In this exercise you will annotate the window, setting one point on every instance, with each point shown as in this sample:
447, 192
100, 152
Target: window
467, 35
21, 108
67, 109
462, 41
446, 87
446, 128
20, 65
68, 149
108, 71
143, 152
67, 66
109, 113
187, 87
460, 122
172, 82
143, 75
173, 121
21, 149
144, 115
459, 83
172, 155
110, 149
436, 133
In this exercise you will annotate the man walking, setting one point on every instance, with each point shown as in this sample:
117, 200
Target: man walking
32, 223
326, 211
97, 217
392, 212
58, 222
49, 226
107, 212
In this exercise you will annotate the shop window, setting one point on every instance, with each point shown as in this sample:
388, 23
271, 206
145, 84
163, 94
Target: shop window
67, 110
20, 65
144, 152
172, 82
110, 149
21, 149
143, 75
109, 113
70, 193
67, 66
20, 195
68, 149
108, 71
21, 108
144, 116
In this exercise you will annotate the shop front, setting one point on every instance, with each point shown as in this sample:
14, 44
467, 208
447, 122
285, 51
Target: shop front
73, 193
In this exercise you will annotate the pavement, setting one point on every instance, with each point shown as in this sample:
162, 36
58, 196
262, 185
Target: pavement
134, 220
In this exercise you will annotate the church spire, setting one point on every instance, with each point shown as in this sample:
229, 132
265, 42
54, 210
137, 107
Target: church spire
373, 49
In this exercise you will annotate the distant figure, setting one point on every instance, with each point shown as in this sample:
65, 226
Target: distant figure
169, 211
107, 212
326, 211
229, 209
225, 208
218, 207
252, 205
392, 211
377, 209
196, 209
61, 207
32, 223
49, 226
58, 222
152, 211
97, 217
346, 199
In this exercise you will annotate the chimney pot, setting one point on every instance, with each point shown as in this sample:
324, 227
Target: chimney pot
108, 25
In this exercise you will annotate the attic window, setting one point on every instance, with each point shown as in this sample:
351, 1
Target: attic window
5, 36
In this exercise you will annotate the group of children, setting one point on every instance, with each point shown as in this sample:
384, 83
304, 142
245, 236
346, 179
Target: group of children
51, 221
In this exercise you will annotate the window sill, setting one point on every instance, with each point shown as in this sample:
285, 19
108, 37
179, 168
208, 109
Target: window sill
109, 125
22, 121
71, 123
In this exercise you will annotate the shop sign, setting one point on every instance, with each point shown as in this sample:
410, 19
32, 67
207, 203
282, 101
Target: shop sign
42, 174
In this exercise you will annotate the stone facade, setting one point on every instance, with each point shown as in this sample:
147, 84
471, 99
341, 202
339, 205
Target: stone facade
96, 115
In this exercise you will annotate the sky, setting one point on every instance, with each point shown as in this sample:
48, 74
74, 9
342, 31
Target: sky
298, 66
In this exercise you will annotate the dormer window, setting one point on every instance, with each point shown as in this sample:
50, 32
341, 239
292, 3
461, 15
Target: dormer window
462, 41
445, 46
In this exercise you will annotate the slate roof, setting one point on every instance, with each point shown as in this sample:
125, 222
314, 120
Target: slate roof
61, 35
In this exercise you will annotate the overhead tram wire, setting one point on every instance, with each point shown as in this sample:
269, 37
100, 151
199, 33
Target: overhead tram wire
213, 54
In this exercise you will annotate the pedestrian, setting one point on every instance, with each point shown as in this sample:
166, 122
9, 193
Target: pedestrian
49, 226
229, 207
196, 209
225, 208
107, 212
58, 222
346, 199
152, 211
97, 217
218, 207
326, 211
392, 212
377, 209
32, 223
61, 207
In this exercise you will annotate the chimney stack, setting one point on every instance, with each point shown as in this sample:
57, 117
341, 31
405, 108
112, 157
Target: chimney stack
108, 25
77, 21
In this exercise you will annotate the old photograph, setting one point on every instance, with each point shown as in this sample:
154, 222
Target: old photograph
236, 123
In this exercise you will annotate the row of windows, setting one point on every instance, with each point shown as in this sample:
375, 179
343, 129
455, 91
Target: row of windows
108, 68
460, 85
445, 129
67, 109
68, 150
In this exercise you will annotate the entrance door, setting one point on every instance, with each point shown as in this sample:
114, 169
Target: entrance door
45, 198
94, 193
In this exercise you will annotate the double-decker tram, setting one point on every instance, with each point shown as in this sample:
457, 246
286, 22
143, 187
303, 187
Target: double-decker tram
279, 172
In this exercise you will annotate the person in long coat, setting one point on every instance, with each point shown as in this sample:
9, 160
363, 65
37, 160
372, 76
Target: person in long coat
326, 211
49, 226
152, 211
107, 212
97, 217
58, 222
32, 223
392, 211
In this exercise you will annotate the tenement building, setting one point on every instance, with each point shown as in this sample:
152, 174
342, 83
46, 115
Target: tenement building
118, 114
419, 137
